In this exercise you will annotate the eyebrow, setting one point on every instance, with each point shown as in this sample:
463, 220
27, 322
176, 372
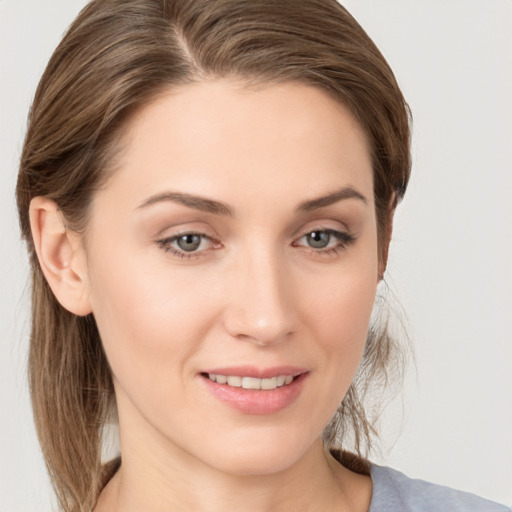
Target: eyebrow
334, 197
192, 201
216, 207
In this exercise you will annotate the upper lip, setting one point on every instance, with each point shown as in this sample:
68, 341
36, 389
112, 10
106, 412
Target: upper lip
258, 373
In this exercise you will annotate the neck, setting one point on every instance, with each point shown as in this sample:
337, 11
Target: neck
160, 474
149, 481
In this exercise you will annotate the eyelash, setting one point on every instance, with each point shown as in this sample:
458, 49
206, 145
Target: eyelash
165, 244
344, 240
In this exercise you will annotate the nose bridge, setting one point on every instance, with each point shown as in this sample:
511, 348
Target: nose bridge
260, 307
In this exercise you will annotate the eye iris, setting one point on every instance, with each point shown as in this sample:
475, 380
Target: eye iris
189, 242
318, 239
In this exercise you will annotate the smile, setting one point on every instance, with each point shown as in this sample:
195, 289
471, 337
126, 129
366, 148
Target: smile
237, 381
256, 391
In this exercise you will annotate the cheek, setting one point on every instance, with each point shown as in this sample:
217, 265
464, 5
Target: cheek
339, 312
340, 302
342, 326
146, 318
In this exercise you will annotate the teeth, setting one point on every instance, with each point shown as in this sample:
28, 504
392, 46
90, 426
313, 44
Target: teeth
251, 382
235, 382
269, 383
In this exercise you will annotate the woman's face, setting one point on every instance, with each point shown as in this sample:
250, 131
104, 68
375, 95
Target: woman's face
235, 247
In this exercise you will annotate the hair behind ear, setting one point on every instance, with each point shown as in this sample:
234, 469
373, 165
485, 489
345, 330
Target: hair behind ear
71, 390
70, 381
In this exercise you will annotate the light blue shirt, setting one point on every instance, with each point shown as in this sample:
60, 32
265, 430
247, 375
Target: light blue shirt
395, 492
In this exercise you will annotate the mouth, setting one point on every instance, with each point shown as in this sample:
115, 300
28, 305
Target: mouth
245, 382
256, 391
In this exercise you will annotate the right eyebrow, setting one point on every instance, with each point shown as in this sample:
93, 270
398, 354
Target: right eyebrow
191, 201
333, 197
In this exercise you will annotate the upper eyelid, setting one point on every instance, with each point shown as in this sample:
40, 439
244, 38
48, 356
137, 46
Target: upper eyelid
200, 226
173, 234
322, 224
323, 227
295, 236
166, 244
342, 236
174, 237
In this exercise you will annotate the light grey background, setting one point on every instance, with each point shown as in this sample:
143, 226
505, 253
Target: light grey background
451, 258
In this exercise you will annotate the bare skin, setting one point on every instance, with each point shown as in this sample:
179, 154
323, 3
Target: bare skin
328, 487
237, 237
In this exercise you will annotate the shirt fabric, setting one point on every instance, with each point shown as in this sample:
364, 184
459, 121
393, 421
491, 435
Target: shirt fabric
395, 492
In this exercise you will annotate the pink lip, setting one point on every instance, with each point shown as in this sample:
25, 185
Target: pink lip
258, 402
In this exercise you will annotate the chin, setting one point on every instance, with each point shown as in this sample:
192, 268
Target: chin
263, 454
252, 464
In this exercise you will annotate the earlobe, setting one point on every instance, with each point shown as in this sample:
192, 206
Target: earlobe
60, 254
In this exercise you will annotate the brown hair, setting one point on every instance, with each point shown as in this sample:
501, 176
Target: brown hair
114, 59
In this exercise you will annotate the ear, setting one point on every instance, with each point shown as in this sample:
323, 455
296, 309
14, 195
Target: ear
386, 239
61, 256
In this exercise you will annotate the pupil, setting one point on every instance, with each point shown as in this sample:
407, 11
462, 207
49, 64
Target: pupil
189, 242
318, 239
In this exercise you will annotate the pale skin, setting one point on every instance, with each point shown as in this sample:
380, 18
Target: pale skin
280, 268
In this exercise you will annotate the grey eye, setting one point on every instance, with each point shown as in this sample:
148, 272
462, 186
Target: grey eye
318, 239
189, 242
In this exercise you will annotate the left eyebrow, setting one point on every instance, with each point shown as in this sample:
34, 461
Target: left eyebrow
334, 197
191, 201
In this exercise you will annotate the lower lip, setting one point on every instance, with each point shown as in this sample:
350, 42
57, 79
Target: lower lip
256, 401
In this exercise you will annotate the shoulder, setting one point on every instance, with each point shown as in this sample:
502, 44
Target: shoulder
395, 492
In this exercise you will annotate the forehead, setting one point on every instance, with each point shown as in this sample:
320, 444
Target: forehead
212, 138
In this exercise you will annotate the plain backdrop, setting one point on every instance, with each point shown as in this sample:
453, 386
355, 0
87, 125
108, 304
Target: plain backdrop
450, 262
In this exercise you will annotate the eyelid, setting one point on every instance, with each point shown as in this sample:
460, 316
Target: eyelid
165, 243
176, 227
344, 239
324, 221
322, 224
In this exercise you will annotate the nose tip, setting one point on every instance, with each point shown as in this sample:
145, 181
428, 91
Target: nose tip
260, 330
260, 308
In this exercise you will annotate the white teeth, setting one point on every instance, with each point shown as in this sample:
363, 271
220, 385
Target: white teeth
235, 381
251, 382
221, 379
269, 383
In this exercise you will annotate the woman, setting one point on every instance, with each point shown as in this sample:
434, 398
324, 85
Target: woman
207, 192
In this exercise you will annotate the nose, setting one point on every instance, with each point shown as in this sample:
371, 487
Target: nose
260, 300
